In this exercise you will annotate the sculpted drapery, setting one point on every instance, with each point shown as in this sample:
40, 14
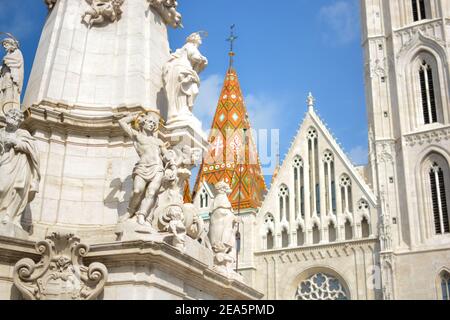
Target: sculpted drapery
181, 77
11, 76
19, 169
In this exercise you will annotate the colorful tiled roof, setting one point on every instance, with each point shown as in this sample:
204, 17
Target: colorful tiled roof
225, 161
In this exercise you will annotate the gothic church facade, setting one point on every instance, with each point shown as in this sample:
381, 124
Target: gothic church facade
329, 230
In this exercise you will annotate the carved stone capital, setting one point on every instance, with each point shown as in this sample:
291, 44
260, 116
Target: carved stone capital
60, 274
167, 9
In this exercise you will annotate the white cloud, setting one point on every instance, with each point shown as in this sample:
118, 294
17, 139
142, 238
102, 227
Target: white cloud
263, 112
359, 155
206, 103
341, 21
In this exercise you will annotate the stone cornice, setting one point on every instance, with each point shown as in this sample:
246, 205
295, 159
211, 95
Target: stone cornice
426, 137
12, 249
318, 252
182, 265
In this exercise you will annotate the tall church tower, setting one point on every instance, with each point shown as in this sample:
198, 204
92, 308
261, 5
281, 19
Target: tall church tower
407, 47
233, 158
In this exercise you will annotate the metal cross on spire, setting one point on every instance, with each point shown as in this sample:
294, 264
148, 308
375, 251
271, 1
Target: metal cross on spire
232, 39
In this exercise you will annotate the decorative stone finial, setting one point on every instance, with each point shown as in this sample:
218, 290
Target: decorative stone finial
61, 274
311, 101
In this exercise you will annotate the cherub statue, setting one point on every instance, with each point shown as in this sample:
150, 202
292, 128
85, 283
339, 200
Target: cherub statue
149, 172
11, 75
102, 10
174, 224
181, 77
19, 169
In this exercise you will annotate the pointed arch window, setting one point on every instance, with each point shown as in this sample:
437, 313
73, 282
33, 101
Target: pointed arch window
445, 286
313, 159
204, 199
330, 192
428, 94
439, 195
299, 187
346, 193
419, 10
300, 237
283, 196
269, 229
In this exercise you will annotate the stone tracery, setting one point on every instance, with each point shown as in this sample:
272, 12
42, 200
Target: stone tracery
321, 287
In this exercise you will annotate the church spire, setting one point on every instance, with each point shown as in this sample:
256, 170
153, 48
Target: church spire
231, 39
233, 155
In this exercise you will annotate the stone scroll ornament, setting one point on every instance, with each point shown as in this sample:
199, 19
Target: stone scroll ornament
167, 9
60, 274
100, 12
222, 232
11, 75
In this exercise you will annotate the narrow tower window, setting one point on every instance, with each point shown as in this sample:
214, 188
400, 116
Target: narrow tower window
204, 199
428, 94
439, 199
419, 10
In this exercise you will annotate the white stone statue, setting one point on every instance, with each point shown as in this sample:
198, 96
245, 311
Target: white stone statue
222, 231
19, 169
101, 11
11, 76
167, 9
181, 78
149, 172
173, 219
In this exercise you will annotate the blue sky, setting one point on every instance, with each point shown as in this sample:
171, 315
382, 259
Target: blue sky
285, 49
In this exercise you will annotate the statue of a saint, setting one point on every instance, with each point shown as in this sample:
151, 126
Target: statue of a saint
222, 231
149, 172
181, 77
11, 76
19, 169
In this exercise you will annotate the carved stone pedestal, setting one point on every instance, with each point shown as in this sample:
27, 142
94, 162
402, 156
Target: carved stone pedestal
187, 132
13, 231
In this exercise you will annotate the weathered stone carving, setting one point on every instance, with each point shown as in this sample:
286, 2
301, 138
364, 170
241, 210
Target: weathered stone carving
181, 78
149, 172
19, 169
11, 76
167, 9
222, 232
61, 274
102, 11
157, 203
50, 3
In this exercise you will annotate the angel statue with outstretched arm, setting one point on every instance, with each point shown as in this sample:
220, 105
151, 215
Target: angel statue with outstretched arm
149, 172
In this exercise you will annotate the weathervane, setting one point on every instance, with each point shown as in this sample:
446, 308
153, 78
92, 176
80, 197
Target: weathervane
232, 39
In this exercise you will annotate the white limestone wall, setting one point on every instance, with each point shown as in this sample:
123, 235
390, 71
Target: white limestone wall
280, 272
103, 67
86, 182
